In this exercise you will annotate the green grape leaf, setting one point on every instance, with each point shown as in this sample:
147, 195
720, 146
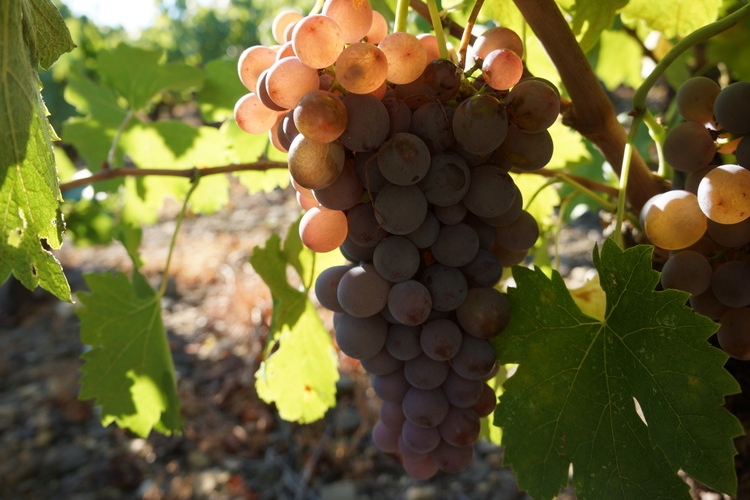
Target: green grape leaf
140, 74
129, 369
249, 148
618, 60
676, 18
173, 145
591, 18
31, 33
92, 133
300, 375
722, 48
579, 406
220, 91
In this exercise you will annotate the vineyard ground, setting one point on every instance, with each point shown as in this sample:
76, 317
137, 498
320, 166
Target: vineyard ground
217, 309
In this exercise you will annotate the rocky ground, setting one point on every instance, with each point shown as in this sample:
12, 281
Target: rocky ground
234, 446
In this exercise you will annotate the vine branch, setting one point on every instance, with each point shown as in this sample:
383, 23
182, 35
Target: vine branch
591, 113
188, 173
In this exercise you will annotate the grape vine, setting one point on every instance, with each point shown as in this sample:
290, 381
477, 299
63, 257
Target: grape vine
410, 156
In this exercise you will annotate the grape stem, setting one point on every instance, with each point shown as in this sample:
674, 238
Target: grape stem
190, 173
437, 26
466, 37
116, 140
402, 13
454, 29
591, 112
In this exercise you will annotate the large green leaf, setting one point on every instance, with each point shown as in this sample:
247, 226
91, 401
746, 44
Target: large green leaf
591, 17
574, 397
220, 91
31, 33
300, 375
675, 18
173, 145
140, 74
129, 369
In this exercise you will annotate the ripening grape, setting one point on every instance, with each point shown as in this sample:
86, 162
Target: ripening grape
378, 28
688, 271
406, 57
447, 286
361, 68
475, 359
391, 387
426, 373
456, 245
730, 283
420, 439
252, 116
404, 159
486, 402
432, 123
253, 61
480, 124
353, 16
315, 165
281, 22
520, 235
363, 227
429, 42
673, 220
361, 338
396, 258
502, 69
317, 41
400, 209
403, 341
724, 194
320, 116
326, 285
734, 333
441, 78
409, 302
695, 99
425, 408
689, 146
533, 105
382, 363
461, 426
362, 292
732, 108
385, 438
447, 179
485, 313
288, 79
491, 191
495, 38
440, 339
344, 193
462, 392
525, 151
452, 459
322, 230
367, 124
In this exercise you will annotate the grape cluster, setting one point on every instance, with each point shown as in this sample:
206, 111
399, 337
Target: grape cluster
401, 161
706, 222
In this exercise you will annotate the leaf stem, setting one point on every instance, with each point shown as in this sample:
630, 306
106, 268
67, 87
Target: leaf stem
116, 140
173, 242
437, 26
105, 175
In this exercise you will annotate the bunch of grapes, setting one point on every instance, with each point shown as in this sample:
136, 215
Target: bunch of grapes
401, 160
706, 222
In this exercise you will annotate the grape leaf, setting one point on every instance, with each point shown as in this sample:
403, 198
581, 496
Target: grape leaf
32, 32
591, 18
220, 91
93, 133
139, 74
129, 369
578, 406
677, 18
300, 375
619, 60
173, 145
